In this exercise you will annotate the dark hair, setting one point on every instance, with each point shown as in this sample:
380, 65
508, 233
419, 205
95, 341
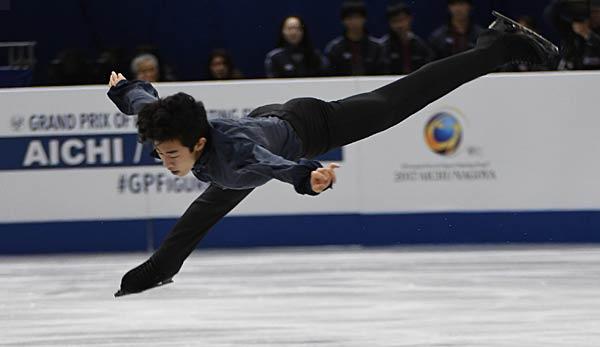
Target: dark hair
352, 7
313, 61
221, 53
176, 117
395, 9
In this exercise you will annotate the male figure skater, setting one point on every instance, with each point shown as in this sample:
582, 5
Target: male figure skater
236, 156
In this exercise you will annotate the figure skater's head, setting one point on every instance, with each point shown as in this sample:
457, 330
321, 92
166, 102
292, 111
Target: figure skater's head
178, 129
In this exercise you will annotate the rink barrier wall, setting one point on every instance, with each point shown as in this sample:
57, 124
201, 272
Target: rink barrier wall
311, 230
508, 158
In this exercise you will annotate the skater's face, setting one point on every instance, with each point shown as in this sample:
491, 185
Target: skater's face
292, 31
460, 10
176, 157
355, 22
401, 23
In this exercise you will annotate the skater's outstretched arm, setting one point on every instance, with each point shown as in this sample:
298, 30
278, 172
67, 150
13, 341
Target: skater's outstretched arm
130, 96
197, 220
307, 176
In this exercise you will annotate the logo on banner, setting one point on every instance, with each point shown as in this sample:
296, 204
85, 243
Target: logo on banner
443, 133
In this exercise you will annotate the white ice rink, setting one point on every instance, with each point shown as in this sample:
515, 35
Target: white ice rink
311, 297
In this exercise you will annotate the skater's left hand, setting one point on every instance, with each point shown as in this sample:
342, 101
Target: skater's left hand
323, 178
115, 78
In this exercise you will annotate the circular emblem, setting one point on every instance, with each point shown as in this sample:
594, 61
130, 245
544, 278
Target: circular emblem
443, 133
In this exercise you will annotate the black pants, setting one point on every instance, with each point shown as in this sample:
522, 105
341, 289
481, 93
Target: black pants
323, 126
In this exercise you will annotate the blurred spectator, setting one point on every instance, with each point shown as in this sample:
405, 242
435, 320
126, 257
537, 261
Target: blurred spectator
530, 23
70, 67
404, 51
578, 23
459, 34
355, 53
165, 71
145, 67
221, 67
295, 55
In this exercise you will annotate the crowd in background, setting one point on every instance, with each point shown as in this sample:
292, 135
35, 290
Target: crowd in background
355, 52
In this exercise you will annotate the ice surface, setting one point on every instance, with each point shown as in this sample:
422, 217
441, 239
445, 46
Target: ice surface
311, 297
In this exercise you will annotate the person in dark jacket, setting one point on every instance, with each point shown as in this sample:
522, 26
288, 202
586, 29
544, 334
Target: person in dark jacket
459, 34
295, 55
355, 53
579, 28
221, 67
235, 156
404, 51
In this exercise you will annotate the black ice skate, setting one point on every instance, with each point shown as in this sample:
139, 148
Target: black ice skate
548, 53
143, 277
122, 292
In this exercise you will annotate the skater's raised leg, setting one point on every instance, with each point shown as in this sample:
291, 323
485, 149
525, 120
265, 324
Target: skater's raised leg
363, 115
349, 120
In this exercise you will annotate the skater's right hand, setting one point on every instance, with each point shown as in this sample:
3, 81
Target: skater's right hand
115, 78
323, 178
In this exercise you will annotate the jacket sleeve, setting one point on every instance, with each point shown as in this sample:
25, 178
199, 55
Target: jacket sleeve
261, 161
131, 96
381, 62
324, 64
269, 67
594, 42
198, 219
426, 51
335, 62
437, 44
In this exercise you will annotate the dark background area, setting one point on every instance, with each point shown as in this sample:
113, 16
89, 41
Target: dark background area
186, 31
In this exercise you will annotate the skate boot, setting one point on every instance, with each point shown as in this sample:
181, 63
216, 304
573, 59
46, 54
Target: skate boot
523, 44
141, 278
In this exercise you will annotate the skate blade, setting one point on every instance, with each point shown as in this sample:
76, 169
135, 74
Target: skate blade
121, 292
500, 17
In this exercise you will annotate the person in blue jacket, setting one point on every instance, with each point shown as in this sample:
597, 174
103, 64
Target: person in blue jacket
279, 141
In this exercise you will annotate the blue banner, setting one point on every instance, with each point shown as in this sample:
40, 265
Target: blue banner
49, 152
23, 153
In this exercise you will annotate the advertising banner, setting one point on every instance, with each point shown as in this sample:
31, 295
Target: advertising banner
501, 143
